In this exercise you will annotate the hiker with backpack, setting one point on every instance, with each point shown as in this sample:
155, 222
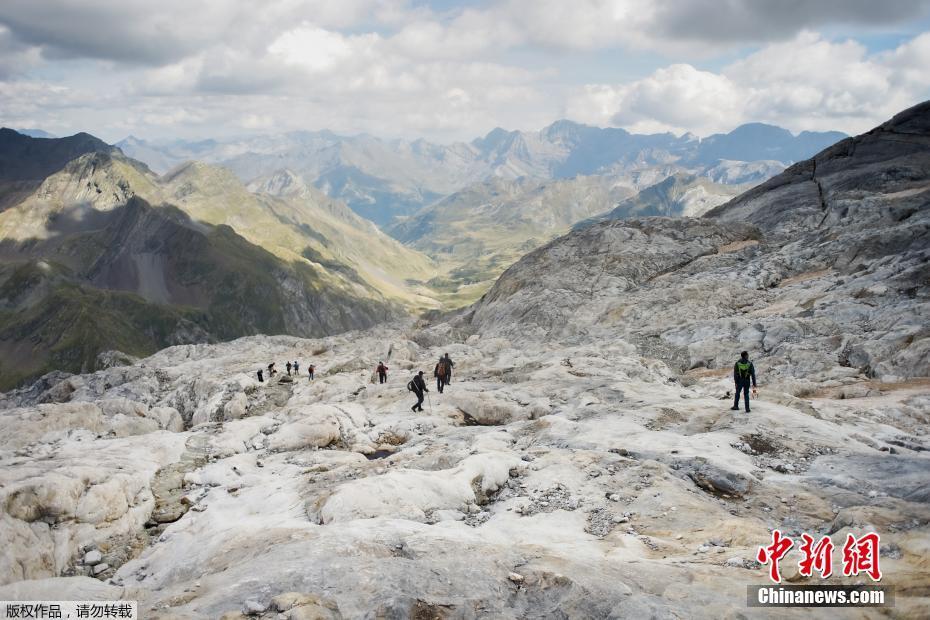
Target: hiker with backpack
744, 375
310, 370
382, 372
418, 386
441, 372
271, 370
449, 366
296, 369
288, 366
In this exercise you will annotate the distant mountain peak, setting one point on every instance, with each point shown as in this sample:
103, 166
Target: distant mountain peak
283, 182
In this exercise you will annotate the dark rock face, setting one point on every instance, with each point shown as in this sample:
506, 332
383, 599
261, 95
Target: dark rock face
23, 158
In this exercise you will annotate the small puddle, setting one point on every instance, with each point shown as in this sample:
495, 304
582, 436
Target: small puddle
379, 454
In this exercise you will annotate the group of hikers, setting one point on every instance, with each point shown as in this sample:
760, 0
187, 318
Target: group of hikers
442, 372
744, 377
290, 367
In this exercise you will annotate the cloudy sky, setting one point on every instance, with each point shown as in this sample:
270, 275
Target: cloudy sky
445, 70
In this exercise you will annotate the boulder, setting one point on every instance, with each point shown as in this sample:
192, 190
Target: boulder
721, 482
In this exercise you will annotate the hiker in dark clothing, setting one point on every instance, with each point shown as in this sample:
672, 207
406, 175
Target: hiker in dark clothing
418, 387
744, 375
310, 370
288, 366
271, 371
449, 366
382, 372
441, 372
261, 379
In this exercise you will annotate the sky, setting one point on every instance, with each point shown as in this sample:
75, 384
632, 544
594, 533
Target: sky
447, 71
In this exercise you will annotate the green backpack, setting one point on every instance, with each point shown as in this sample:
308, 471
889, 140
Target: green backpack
743, 369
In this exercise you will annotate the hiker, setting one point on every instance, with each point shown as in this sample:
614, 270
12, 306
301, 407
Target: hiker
442, 372
261, 379
744, 374
296, 368
449, 366
382, 372
418, 387
271, 370
288, 366
310, 370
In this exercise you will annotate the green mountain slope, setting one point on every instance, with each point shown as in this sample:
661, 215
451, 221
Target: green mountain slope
138, 278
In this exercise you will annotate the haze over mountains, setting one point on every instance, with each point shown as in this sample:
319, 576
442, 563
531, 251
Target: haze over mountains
476, 207
384, 179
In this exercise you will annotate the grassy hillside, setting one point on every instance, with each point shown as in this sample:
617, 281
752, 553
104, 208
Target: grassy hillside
75, 294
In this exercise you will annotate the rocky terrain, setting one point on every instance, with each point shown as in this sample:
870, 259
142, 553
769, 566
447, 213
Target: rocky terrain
679, 195
584, 461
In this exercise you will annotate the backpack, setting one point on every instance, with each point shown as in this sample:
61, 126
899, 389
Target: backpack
410, 387
742, 368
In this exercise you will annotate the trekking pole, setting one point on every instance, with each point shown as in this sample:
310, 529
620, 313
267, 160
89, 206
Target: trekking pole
429, 400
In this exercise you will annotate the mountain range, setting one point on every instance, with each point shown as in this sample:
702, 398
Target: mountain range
85, 226
104, 254
384, 179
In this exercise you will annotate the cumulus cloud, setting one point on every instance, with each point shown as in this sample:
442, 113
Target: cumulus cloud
806, 83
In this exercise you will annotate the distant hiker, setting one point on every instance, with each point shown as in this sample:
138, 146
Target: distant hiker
310, 370
418, 387
442, 372
744, 375
382, 372
271, 370
288, 366
450, 365
261, 379
296, 368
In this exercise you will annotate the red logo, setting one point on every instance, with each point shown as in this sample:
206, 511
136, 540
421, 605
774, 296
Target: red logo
860, 555
817, 557
773, 553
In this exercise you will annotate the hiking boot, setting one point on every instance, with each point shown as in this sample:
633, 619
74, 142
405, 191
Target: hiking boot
734, 408
747, 411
